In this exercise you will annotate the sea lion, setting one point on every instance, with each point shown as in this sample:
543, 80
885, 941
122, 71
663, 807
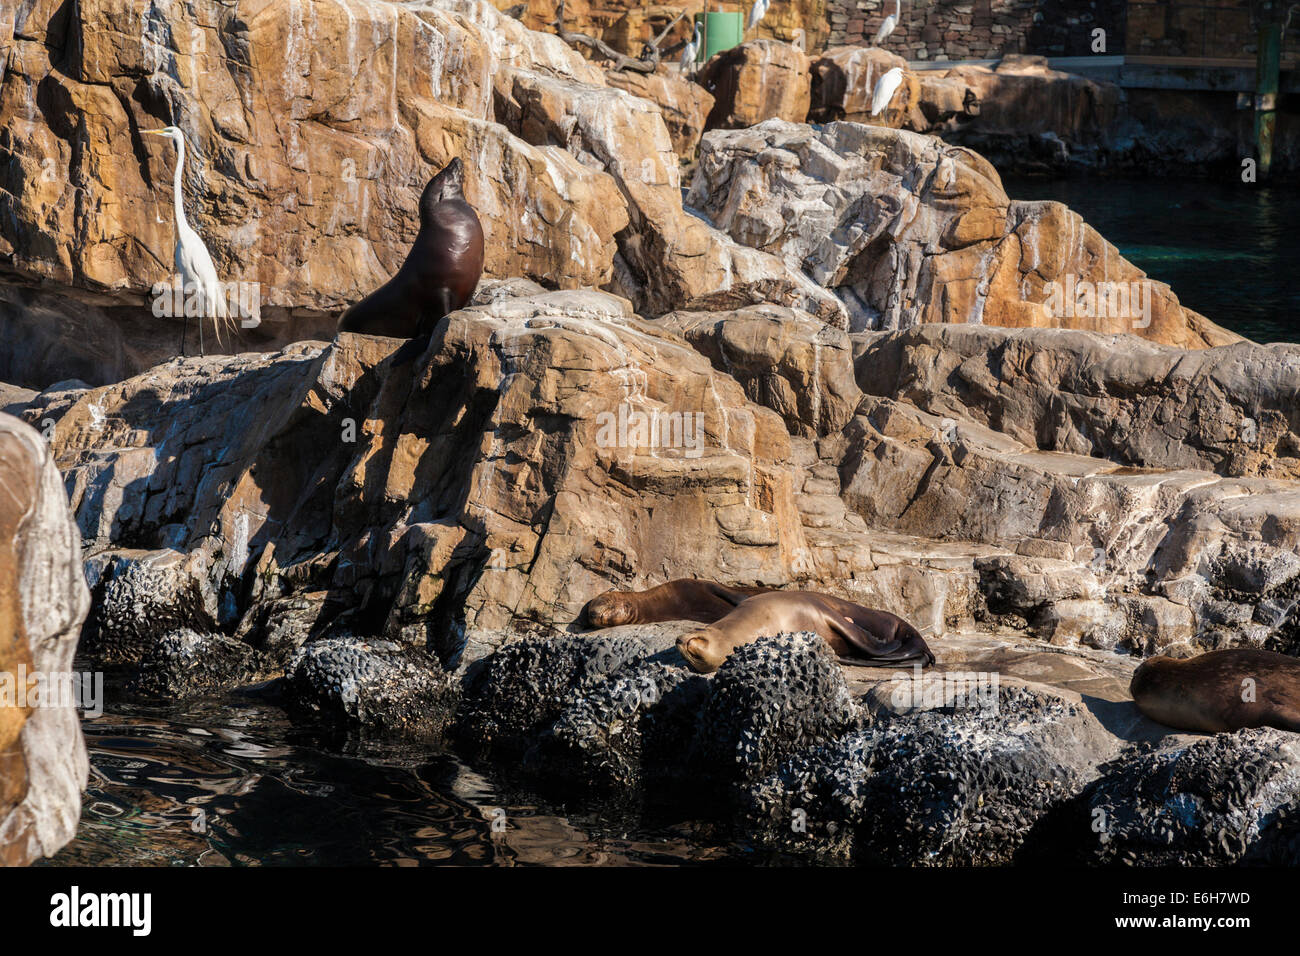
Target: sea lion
440, 272
857, 634
1220, 691
681, 600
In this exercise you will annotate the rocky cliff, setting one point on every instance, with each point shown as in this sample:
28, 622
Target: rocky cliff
312, 127
837, 363
43, 600
1044, 505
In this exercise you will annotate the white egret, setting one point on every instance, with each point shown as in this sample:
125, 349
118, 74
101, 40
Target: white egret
692, 49
887, 27
757, 12
886, 86
193, 262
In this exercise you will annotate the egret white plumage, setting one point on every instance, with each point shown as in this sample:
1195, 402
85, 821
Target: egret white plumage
887, 27
886, 86
757, 12
192, 259
692, 49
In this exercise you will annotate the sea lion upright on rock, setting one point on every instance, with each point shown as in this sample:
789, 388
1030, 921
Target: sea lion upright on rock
857, 634
1220, 691
440, 272
681, 600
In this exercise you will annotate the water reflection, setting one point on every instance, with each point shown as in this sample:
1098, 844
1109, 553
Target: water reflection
236, 784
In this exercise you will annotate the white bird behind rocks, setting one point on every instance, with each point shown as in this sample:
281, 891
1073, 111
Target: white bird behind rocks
692, 49
887, 27
886, 86
757, 12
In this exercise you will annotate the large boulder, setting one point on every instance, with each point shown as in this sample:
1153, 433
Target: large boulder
756, 81
771, 698
1225, 410
513, 696
1184, 556
958, 785
633, 732
372, 689
1226, 800
844, 80
592, 449
784, 358
43, 600
668, 257
1034, 118
684, 105
907, 230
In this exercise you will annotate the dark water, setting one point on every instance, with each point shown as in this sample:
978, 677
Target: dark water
1231, 251
222, 783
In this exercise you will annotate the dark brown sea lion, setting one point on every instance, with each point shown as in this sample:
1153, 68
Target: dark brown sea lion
1221, 690
857, 634
681, 600
440, 272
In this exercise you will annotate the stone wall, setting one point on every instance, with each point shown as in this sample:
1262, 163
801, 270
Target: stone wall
980, 29
946, 29
1218, 28
628, 24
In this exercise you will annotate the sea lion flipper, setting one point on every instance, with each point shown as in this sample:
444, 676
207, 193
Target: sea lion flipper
861, 639
860, 629
731, 595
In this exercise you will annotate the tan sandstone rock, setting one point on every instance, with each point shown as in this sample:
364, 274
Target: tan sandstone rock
756, 81
844, 78
1023, 95
684, 105
668, 258
312, 129
908, 230
43, 600
559, 484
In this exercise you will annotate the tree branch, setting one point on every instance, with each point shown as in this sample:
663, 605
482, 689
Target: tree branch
650, 53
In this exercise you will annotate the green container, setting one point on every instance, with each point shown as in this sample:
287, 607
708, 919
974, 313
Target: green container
722, 31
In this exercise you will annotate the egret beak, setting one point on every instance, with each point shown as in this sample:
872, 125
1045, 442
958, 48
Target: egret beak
153, 132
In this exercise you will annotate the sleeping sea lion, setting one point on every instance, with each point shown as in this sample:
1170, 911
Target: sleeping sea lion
681, 600
1220, 691
857, 634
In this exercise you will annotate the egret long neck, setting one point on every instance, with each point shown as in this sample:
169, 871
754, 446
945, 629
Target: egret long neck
176, 183
898, 9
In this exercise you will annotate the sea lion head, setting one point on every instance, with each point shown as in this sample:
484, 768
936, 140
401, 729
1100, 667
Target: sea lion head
611, 609
446, 185
701, 651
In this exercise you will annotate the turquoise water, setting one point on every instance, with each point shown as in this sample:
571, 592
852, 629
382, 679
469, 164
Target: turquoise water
1231, 251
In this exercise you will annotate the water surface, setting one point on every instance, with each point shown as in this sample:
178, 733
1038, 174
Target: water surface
220, 783
1231, 251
